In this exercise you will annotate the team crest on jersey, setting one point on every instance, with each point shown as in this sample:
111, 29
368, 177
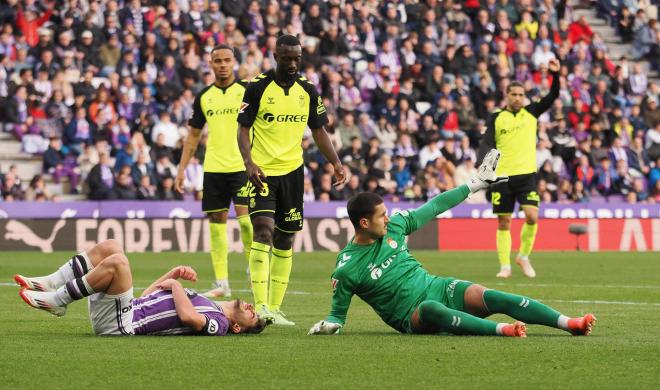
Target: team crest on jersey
335, 282
392, 243
301, 100
243, 107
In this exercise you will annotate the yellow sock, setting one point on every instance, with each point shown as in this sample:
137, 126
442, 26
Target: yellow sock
259, 268
504, 247
219, 249
246, 234
527, 238
280, 269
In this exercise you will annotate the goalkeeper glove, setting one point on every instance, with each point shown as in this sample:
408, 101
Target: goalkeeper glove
486, 173
323, 327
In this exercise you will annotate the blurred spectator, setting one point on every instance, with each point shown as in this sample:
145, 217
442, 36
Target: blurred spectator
11, 188
59, 164
37, 188
101, 179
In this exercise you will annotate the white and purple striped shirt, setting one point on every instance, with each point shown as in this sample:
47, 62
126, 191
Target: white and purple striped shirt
155, 314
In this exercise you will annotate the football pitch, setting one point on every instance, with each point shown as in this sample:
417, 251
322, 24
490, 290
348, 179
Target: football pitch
623, 290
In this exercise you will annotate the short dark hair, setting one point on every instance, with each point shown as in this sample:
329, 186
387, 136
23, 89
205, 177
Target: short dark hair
362, 205
288, 40
514, 84
224, 46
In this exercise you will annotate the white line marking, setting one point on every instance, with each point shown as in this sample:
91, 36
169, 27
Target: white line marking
580, 301
577, 285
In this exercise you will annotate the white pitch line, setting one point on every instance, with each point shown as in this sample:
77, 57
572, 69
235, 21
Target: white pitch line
292, 292
580, 301
651, 287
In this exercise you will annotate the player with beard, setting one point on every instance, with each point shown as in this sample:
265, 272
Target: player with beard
277, 107
103, 274
224, 173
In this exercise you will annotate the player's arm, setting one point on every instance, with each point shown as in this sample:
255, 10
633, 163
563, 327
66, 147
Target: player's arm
341, 301
185, 310
411, 220
324, 144
545, 103
246, 117
195, 124
179, 272
488, 140
318, 118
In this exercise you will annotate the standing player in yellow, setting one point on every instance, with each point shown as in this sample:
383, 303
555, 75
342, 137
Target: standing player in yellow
278, 106
224, 172
513, 132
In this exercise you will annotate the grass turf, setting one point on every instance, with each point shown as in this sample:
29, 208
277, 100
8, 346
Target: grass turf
622, 289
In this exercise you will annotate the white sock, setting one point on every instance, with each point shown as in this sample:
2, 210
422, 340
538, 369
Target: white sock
73, 290
499, 327
78, 266
505, 267
523, 257
562, 322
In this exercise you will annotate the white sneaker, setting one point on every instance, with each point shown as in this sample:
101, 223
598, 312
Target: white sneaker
39, 300
505, 272
526, 266
263, 312
218, 292
279, 318
31, 284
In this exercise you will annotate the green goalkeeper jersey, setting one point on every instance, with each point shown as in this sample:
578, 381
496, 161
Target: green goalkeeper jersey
384, 274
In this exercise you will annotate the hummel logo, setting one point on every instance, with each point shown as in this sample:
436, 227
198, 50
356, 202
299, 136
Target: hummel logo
270, 100
343, 260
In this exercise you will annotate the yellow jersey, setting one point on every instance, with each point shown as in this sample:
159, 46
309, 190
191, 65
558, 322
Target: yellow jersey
219, 108
278, 117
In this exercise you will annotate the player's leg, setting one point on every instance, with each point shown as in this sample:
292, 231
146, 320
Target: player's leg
262, 227
525, 189
503, 203
219, 254
112, 276
280, 271
241, 201
76, 267
433, 317
215, 203
482, 302
527, 238
288, 220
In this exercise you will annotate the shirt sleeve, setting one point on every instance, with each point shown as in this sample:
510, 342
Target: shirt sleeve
341, 299
250, 105
216, 324
317, 112
545, 103
407, 221
197, 120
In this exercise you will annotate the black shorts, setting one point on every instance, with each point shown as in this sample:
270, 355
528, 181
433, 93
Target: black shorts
221, 188
280, 199
520, 188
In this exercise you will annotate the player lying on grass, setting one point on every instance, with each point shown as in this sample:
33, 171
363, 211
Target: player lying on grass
377, 266
164, 308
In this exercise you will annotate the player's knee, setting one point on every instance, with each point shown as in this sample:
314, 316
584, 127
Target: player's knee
262, 234
531, 219
504, 223
282, 240
217, 217
431, 310
118, 261
111, 247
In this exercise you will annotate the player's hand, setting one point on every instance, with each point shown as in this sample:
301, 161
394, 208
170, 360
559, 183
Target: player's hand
183, 272
341, 175
324, 327
554, 66
486, 175
167, 284
255, 175
178, 182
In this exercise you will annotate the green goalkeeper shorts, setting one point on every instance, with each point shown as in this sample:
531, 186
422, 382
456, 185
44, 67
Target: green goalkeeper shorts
448, 291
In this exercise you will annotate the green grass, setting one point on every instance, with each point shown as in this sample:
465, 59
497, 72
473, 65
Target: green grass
41, 351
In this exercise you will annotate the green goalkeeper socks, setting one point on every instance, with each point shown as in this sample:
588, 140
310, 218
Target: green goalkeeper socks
437, 317
521, 308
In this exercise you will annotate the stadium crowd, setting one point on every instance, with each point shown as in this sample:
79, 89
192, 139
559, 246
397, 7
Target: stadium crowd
103, 90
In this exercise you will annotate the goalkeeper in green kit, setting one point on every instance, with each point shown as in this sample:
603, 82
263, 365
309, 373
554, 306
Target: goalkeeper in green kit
377, 266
